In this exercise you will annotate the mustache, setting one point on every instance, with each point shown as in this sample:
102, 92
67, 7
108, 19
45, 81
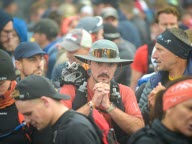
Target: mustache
103, 75
155, 61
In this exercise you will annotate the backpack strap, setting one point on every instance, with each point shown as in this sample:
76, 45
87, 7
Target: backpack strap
115, 97
21, 120
80, 97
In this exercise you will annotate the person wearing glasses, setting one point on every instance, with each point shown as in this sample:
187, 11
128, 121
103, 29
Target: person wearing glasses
103, 60
6, 29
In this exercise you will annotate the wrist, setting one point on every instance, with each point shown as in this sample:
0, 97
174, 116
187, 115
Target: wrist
110, 108
91, 104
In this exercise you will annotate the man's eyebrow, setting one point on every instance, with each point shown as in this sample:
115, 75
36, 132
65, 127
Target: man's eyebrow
27, 113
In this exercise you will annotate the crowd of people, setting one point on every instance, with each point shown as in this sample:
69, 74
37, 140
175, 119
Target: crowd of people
96, 72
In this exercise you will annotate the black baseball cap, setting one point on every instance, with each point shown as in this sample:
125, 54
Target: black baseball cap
47, 26
34, 86
7, 71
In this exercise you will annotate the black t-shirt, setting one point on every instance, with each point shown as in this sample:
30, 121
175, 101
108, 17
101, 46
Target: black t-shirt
73, 128
42, 137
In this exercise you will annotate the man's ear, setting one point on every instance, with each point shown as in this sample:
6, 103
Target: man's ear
45, 101
18, 65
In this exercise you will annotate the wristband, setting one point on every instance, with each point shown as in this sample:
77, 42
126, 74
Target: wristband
91, 104
111, 108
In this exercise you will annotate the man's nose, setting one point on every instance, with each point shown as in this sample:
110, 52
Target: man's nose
154, 55
10, 35
27, 119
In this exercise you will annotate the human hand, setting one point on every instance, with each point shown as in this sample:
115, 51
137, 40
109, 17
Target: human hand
101, 95
153, 93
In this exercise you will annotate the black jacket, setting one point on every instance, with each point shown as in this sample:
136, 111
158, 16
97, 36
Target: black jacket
159, 134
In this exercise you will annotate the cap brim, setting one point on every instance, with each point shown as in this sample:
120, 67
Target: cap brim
11, 78
86, 58
61, 96
34, 53
69, 46
109, 14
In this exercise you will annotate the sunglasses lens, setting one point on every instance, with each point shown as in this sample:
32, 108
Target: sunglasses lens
104, 53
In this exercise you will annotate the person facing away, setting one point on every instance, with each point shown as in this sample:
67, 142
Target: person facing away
77, 41
93, 25
38, 100
173, 59
103, 60
173, 120
46, 35
9, 115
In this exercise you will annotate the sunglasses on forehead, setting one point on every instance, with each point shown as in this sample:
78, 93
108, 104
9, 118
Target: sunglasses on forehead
104, 53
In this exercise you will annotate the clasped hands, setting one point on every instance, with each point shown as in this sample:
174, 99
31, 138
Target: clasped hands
101, 95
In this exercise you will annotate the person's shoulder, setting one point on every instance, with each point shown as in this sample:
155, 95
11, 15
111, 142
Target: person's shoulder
126, 23
77, 117
142, 48
141, 53
145, 135
124, 88
127, 43
71, 117
61, 66
145, 78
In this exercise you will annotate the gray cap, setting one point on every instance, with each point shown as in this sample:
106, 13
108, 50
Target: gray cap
75, 39
104, 51
91, 24
109, 12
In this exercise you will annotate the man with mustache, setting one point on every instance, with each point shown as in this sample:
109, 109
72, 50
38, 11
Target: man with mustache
173, 57
29, 59
103, 60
